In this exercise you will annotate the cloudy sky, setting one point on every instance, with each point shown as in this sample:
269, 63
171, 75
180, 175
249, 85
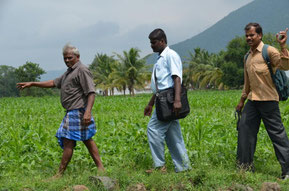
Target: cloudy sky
36, 30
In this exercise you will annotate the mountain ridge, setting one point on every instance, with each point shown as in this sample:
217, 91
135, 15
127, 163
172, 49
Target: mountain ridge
272, 16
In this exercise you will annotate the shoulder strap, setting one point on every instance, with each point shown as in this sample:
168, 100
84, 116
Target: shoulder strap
265, 53
267, 59
156, 80
246, 57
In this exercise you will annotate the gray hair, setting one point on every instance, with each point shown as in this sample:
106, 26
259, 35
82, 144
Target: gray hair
71, 48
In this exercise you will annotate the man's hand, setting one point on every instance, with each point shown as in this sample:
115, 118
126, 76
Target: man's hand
86, 118
240, 106
148, 110
282, 38
177, 107
23, 85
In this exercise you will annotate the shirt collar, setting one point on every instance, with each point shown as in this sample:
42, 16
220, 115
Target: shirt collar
69, 69
164, 52
75, 65
259, 48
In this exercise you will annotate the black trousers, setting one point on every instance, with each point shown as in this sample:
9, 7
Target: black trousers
249, 126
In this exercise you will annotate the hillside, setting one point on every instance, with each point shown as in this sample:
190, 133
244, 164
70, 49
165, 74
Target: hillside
272, 15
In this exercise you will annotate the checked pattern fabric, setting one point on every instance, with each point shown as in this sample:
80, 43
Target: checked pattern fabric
72, 128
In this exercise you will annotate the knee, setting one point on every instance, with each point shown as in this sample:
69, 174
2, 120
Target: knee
151, 132
88, 142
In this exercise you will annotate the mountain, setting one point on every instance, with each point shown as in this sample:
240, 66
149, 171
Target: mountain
51, 75
272, 15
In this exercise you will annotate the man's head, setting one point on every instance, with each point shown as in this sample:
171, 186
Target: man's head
70, 55
158, 40
254, 34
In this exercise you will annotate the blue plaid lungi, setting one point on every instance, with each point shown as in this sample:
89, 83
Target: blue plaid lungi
72, 128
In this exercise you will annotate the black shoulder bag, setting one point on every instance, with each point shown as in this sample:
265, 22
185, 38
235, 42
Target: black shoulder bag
164, 103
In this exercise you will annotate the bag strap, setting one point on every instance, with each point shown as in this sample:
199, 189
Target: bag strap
246, 56
267, 59
156, 82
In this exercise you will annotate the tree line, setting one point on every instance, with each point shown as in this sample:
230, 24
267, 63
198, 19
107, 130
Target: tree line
9, 76
202, 70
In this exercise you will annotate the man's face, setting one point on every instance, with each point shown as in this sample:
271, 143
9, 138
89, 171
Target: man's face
157, 45
253, 39
70, 59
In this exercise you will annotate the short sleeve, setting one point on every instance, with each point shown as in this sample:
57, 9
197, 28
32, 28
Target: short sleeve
277, 59
57, 81
86, 81
175, 64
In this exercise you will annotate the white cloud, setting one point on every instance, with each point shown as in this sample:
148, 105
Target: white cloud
36, 30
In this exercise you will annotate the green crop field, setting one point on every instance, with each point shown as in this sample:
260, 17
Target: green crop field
29, 152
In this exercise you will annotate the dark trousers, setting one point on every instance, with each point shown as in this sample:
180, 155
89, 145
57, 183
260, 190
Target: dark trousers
250, 121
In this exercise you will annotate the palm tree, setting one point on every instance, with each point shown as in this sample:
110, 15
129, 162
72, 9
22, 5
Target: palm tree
119, 76
102, 67
136, 70
203, 69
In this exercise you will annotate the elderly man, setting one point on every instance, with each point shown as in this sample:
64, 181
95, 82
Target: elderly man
263, 100
77, 97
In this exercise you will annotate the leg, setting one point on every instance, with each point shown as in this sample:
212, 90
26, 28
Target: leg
247, 135
93, 151
67, 154
272, 121
156, 136
176, 145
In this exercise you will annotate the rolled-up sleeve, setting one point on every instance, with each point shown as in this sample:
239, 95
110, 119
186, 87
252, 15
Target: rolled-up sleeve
278, 59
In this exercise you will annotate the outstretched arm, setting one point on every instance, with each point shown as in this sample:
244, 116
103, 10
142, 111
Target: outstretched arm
45, 84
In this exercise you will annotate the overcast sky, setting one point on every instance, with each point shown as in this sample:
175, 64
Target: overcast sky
36, 30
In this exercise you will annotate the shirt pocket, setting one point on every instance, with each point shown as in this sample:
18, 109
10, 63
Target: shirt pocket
71, 82
260, 68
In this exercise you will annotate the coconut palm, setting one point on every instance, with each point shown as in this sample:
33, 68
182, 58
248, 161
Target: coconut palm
136, 69
203, 70
101, 68
119, 76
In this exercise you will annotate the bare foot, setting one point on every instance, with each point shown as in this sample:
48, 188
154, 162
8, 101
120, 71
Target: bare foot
162, 170
53, 178
100, 171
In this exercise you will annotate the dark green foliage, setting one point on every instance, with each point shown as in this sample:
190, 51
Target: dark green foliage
29, 72
232, 75
8, 81
236, 50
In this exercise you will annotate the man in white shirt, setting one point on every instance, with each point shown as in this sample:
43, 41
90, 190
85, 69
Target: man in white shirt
168, 72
